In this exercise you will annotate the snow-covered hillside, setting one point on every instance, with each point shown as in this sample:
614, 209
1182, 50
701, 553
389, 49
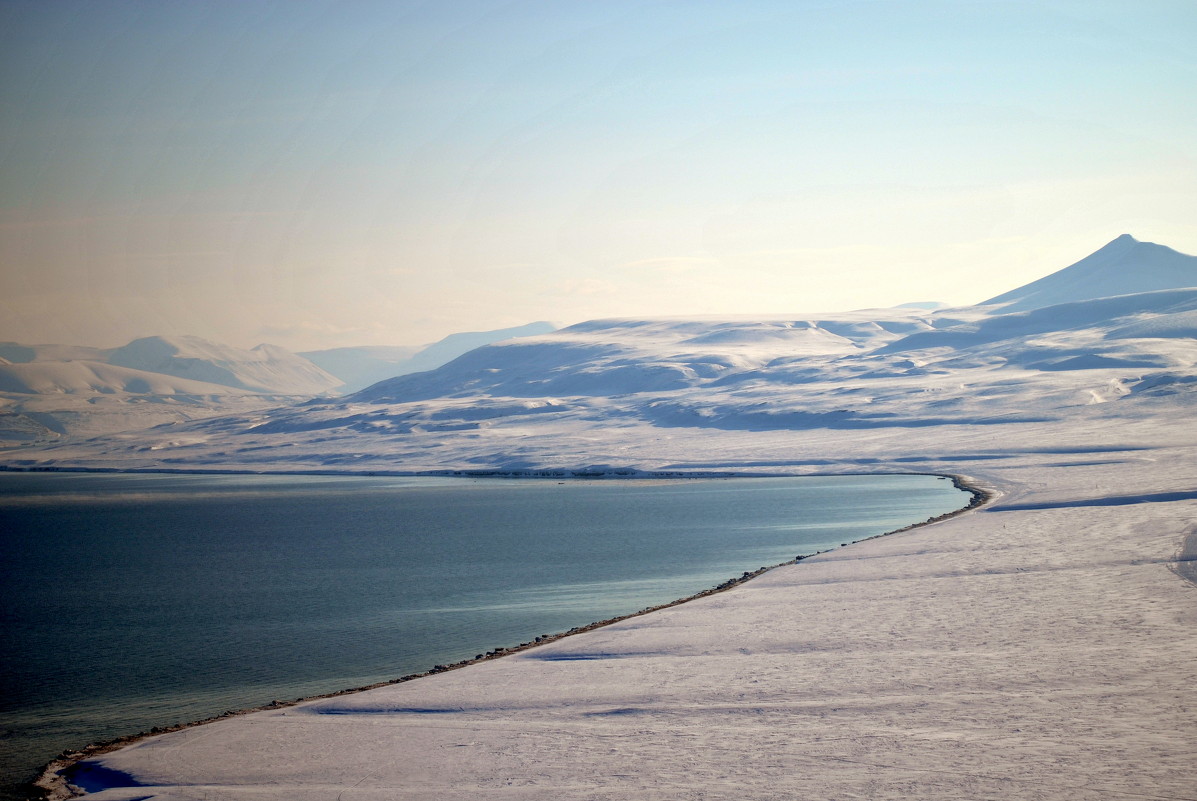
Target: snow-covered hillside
87, 377
48, 392
266, 368
51, 391
360, 367
599, 392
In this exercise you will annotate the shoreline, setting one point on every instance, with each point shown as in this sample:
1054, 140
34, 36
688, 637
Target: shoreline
53, 784
580, 473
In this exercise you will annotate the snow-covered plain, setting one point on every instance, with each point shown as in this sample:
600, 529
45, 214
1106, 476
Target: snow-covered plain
1040, 647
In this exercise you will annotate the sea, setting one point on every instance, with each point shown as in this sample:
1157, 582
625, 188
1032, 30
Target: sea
131, 601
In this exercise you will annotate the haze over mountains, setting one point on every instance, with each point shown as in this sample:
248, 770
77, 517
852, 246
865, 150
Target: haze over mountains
603, 391
265, 368
360, 367
47, 391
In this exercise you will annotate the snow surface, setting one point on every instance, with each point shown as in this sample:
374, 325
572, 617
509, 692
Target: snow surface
1042, 647
1039, 649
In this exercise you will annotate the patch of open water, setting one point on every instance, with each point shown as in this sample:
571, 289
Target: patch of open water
140, 600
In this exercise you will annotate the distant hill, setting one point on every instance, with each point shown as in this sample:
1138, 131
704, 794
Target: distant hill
1119, 328
88, 377
627, 356
1123, 267
50, 391
454, 345
601, 390
16, 353
266, 368
360, 367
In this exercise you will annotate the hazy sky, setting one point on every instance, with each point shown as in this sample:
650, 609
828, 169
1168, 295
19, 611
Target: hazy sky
317, 174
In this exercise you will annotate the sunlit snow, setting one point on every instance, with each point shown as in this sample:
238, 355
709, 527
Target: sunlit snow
1040, 647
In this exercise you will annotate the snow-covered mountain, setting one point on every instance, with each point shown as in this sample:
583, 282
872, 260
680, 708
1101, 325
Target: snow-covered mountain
621, 392
51, 391
87, 378
362, 366
1122, 267
622, 357
266, 368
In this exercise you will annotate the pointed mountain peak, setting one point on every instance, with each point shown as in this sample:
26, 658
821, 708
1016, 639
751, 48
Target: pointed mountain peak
1122, 244
1124, 266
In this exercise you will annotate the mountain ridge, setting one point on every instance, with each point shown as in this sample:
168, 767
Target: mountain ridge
1123, 266
265, 368
360, 367
520, 400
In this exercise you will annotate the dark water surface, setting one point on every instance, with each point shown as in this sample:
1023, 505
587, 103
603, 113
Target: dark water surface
132, 601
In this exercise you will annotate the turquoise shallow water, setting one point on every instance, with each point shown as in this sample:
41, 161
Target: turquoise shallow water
132, 601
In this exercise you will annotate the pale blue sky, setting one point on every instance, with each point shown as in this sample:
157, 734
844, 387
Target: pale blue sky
319, 174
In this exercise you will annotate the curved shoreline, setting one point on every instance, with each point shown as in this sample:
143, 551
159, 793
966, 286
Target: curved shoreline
53, 784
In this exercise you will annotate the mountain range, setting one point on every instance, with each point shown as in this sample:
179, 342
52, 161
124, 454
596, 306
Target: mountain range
1038, 644
609, 394
360, 367
48, 391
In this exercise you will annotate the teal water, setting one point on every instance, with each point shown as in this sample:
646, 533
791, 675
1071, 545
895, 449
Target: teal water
131, 601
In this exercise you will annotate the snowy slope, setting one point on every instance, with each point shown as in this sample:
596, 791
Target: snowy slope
48, 392
43, 401
266, 368
454, 345
84, 377
57, 417
360, 367
622, 357
1124, 266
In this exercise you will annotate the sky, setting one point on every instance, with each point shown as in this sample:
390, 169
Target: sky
319, 173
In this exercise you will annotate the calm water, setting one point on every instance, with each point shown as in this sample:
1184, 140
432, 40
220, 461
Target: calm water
132, 601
